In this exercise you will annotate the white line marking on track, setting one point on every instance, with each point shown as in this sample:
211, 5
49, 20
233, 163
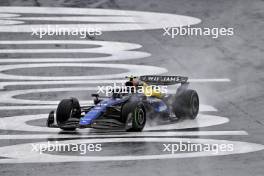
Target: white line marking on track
135, 70
8, 15
116, 50
7, 97
128, 20
121, 134
24, 153
206, 80
10, 22
19, 123
101, 81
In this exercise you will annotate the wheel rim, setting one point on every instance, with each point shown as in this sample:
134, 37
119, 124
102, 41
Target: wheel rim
140, 115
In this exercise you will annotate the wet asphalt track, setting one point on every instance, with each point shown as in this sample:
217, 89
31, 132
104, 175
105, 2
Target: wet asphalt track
232, 109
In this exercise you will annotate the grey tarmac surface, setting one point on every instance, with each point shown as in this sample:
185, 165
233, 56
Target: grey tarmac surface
239, 58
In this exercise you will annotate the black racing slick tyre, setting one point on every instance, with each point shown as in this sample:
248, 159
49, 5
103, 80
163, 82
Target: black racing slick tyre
186, 104
67, 108
134, 112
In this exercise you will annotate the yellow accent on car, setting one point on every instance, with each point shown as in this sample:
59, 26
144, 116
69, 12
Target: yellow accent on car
150, 92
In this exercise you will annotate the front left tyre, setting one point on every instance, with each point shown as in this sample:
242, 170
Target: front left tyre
67, 109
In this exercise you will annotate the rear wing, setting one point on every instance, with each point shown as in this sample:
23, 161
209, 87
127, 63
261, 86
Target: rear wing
163, 80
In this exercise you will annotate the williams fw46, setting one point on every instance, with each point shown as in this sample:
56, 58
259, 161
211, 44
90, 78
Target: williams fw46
130, 109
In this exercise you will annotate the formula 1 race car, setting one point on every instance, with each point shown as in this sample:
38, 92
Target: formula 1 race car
129, 109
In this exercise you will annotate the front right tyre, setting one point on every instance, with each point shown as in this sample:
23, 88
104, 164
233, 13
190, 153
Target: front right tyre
135, 113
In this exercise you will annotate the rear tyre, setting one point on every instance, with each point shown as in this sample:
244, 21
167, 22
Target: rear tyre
186, 104
134, 112
67, 108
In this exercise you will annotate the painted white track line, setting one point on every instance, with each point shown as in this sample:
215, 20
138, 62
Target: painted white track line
22, 153
116, 50
139, 134
127, 20
101, 81
135, 70
206, 80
